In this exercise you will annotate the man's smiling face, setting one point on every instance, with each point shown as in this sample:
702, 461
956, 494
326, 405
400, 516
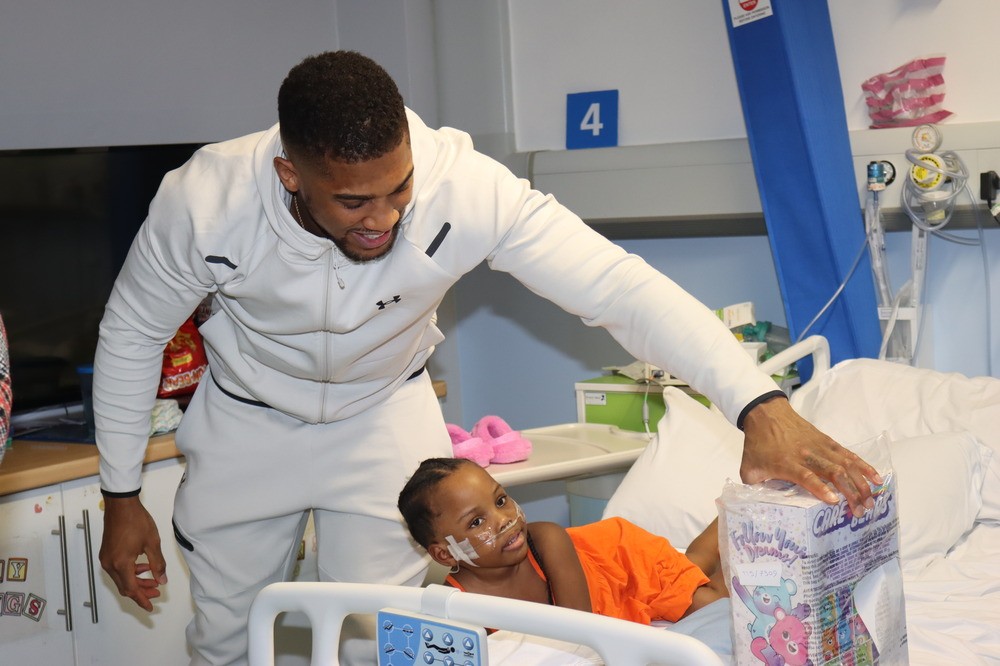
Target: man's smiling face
356, 205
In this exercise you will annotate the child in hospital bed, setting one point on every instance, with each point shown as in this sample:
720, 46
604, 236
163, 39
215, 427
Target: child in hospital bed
466, 521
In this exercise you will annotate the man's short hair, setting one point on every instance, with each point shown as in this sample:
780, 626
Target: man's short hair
340, 105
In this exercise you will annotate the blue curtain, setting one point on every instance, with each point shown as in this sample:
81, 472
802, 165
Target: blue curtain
789, 84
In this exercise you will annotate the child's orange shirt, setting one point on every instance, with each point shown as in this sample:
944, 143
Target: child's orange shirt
631, 573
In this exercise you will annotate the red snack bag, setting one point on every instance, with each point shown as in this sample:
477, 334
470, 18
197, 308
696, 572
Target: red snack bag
184, 362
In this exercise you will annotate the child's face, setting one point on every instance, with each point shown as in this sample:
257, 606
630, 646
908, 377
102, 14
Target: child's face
475, 512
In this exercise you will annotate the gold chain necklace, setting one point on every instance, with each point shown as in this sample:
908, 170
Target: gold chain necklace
298, 215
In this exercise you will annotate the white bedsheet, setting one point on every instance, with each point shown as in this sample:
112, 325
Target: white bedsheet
509, 648
953, 603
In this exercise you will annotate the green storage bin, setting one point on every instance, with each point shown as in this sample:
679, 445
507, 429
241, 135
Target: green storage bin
617, 400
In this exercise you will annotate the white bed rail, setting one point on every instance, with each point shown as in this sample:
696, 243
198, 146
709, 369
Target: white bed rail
802, 398
327, 604
815, 345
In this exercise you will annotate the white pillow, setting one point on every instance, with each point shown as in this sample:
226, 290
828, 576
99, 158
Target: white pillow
671, 488
857, 399
938, 480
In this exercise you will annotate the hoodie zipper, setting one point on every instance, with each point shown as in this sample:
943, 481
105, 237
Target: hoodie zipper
334, 263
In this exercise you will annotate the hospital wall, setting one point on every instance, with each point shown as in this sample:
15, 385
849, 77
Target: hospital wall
549, 351
115, 72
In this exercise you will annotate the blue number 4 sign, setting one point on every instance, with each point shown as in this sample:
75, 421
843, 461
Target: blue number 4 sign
592, 119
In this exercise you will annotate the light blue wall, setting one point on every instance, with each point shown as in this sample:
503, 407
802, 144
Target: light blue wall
520, 355
957, 311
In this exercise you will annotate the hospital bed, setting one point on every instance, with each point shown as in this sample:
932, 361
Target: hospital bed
327, 605
944, 433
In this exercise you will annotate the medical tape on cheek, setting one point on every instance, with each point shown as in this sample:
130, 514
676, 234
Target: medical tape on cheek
463, 552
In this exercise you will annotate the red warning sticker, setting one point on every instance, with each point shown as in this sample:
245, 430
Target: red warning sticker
743, 12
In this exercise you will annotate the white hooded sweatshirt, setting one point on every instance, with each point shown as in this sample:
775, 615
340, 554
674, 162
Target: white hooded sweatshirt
305, 330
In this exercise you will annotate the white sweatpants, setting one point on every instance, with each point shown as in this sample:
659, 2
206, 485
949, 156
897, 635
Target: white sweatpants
253, 474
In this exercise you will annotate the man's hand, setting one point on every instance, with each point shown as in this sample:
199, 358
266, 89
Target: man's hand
780, 444
129, 531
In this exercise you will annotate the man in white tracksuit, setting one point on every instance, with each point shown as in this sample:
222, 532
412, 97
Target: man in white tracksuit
328, 242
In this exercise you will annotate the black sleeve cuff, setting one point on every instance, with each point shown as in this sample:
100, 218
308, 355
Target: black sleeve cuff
770, 395
131, 493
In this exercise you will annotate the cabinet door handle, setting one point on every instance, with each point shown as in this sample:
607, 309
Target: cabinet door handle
91, 585
61, 532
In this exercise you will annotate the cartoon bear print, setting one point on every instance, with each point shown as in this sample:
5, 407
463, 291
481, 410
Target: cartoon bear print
764, 600
787, 643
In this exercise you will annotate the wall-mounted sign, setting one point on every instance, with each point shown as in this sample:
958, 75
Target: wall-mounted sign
748, 11
592, 119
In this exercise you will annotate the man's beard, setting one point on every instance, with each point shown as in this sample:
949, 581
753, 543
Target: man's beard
354, 256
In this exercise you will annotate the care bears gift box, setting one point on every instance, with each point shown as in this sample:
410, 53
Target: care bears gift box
809, 582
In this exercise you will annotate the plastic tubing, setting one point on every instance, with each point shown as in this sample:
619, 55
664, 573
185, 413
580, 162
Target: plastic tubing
890, 325
953, 183
876, 248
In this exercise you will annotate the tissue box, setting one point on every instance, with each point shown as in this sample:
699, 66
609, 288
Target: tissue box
809, 583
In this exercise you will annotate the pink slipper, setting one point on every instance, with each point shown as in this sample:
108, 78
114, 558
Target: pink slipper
508, 445
470, 447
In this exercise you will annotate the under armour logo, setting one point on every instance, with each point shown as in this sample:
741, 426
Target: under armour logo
395, 299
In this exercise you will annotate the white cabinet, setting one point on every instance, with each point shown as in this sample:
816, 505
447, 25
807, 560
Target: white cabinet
118, 632
31, 548
102, 627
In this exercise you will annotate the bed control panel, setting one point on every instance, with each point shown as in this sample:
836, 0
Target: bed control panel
406, 638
